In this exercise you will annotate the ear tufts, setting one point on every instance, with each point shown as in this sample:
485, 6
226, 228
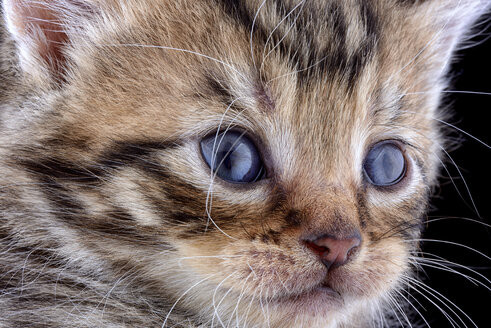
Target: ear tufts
451, 23
39, 28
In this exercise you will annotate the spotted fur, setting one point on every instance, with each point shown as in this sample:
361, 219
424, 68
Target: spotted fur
109, 217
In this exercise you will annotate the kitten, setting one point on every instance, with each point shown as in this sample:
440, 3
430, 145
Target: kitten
218, 163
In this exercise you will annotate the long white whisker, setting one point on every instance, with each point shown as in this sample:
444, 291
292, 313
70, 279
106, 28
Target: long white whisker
404, 315
463, 180
298, 71
222, 257
478, 43
252, 32
178, 49
445, 168
267, 309
452, 126
249, 307
447, 316
450, 243
434, 257
261, 301
215, 307
209, 199
449, 91
275, 28
414, 307
184, 294
236, 309
458, 218
214, 170
449, 263
395, 309
433, 292
440, 266
105, 298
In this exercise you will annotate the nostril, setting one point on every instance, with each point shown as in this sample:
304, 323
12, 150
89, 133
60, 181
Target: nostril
334, 251
321, 251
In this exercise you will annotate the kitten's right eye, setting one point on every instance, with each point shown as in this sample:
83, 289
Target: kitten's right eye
385, 164
233, 157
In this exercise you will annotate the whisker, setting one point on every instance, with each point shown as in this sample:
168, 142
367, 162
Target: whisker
414, 307
449, 263
298, 71
394, 307
302, 2
432, 292
249, 307
448, 91
447, 316
215, 307
445, 168
178, 49
222, 257
450, 243
252, 32
451, 125
440, 266
213, 172
236, 309
222, 299
121, 279
184, 294
458, 218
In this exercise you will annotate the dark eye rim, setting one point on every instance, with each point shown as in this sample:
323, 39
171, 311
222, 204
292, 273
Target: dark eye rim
263, 172
399, 182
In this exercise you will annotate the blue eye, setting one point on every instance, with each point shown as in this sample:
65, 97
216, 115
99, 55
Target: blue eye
233, 157
385, 164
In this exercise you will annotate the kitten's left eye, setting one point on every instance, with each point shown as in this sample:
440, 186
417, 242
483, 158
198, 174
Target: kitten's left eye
233, 157
385, 164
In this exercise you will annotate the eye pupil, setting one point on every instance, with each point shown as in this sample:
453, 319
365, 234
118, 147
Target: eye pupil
385, 164
232, 156
227, 159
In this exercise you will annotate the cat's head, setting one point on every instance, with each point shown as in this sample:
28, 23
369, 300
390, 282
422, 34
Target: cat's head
252, 161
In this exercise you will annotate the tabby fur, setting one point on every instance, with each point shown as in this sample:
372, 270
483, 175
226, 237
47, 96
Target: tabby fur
109, 217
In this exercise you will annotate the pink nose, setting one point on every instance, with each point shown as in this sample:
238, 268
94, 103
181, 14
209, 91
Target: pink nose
334, 252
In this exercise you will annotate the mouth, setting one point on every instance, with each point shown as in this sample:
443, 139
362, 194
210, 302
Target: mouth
319, 301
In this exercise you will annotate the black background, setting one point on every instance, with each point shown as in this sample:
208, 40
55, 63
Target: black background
471, 72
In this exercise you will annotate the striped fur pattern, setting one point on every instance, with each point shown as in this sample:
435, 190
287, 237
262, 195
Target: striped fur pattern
109, 217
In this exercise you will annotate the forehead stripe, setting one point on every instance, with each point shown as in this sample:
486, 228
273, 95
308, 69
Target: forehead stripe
311, 51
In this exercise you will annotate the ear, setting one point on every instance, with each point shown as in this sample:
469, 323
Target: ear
40, 30
453, 22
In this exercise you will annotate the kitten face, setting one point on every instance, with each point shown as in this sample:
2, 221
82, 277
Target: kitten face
315, 86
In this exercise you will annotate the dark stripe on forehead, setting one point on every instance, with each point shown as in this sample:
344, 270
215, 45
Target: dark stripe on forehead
316, 45
370, 20
238, 11
366, 49
215, 87
320, 58
334, 56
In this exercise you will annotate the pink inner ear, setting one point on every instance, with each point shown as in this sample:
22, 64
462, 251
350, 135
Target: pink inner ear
35, 22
